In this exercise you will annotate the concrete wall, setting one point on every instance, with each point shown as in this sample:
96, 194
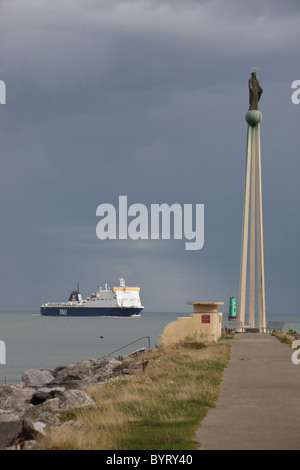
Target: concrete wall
203, 327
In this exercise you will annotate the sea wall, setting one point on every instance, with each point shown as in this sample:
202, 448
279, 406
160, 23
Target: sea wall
204, 325
31, 408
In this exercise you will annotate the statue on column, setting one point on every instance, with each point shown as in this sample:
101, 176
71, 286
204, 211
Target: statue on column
255, 91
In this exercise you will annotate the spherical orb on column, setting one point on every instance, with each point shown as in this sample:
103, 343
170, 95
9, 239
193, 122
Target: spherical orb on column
253, 117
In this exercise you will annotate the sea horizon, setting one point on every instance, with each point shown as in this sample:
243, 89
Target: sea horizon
34, 341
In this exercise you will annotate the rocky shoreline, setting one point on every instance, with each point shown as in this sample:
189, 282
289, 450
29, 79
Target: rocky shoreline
31, 408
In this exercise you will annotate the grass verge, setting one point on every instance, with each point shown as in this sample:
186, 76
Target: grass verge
287, 338
160, 408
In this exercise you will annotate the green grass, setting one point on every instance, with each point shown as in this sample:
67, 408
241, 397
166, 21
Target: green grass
158, 409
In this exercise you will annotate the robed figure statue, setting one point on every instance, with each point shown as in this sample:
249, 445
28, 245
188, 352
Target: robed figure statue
255, 91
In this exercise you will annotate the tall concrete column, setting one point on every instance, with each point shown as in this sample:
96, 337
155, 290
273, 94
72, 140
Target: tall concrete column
252, 196
245, 228
252, 236
260, 241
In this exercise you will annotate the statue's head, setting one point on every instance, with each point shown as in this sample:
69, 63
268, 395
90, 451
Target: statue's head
253, 71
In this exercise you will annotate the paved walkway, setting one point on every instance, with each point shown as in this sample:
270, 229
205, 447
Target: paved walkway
259, 403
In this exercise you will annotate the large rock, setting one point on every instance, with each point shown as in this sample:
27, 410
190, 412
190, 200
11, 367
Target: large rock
37, 378
76, 399
40, 427
71, 372
44, 393
42, 414
6, 416
107, 368
16, 432
53, 405
15, 398
83, 373
32, 407
76, 375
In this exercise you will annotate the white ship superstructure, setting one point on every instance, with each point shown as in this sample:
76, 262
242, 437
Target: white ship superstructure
119, 300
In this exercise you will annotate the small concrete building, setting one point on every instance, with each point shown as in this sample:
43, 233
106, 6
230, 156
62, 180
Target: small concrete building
203, 325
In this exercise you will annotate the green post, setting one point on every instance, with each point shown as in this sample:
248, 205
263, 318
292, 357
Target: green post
232, 308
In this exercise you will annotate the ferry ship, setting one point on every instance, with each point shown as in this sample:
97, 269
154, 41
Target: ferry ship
118, 301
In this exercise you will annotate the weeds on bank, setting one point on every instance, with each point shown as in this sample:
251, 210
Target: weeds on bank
287, 338
159, 408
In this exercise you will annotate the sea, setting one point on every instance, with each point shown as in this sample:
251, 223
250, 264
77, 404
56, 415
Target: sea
34, 341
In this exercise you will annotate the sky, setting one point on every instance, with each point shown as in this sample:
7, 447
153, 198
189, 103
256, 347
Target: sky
144, 99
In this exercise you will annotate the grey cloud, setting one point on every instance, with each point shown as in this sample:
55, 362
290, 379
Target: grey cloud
145, 99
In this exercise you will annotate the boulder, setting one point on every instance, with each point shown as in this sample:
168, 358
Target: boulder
76, 399
107, 368
15, 397
52, 405
31, 408
40, 427
6, 416
83, 373
37, 378
44, 393
79, 371
39, 414
16, 432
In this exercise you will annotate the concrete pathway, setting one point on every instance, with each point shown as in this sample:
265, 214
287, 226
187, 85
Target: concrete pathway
259, 403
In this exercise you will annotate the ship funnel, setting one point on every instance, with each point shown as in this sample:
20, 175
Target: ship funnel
74, 296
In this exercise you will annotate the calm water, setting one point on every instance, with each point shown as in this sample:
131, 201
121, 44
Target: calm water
41, 342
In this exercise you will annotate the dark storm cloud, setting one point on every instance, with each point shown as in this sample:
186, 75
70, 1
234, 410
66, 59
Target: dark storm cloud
145, 99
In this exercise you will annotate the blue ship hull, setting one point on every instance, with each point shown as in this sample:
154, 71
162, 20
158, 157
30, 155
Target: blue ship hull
90, 312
